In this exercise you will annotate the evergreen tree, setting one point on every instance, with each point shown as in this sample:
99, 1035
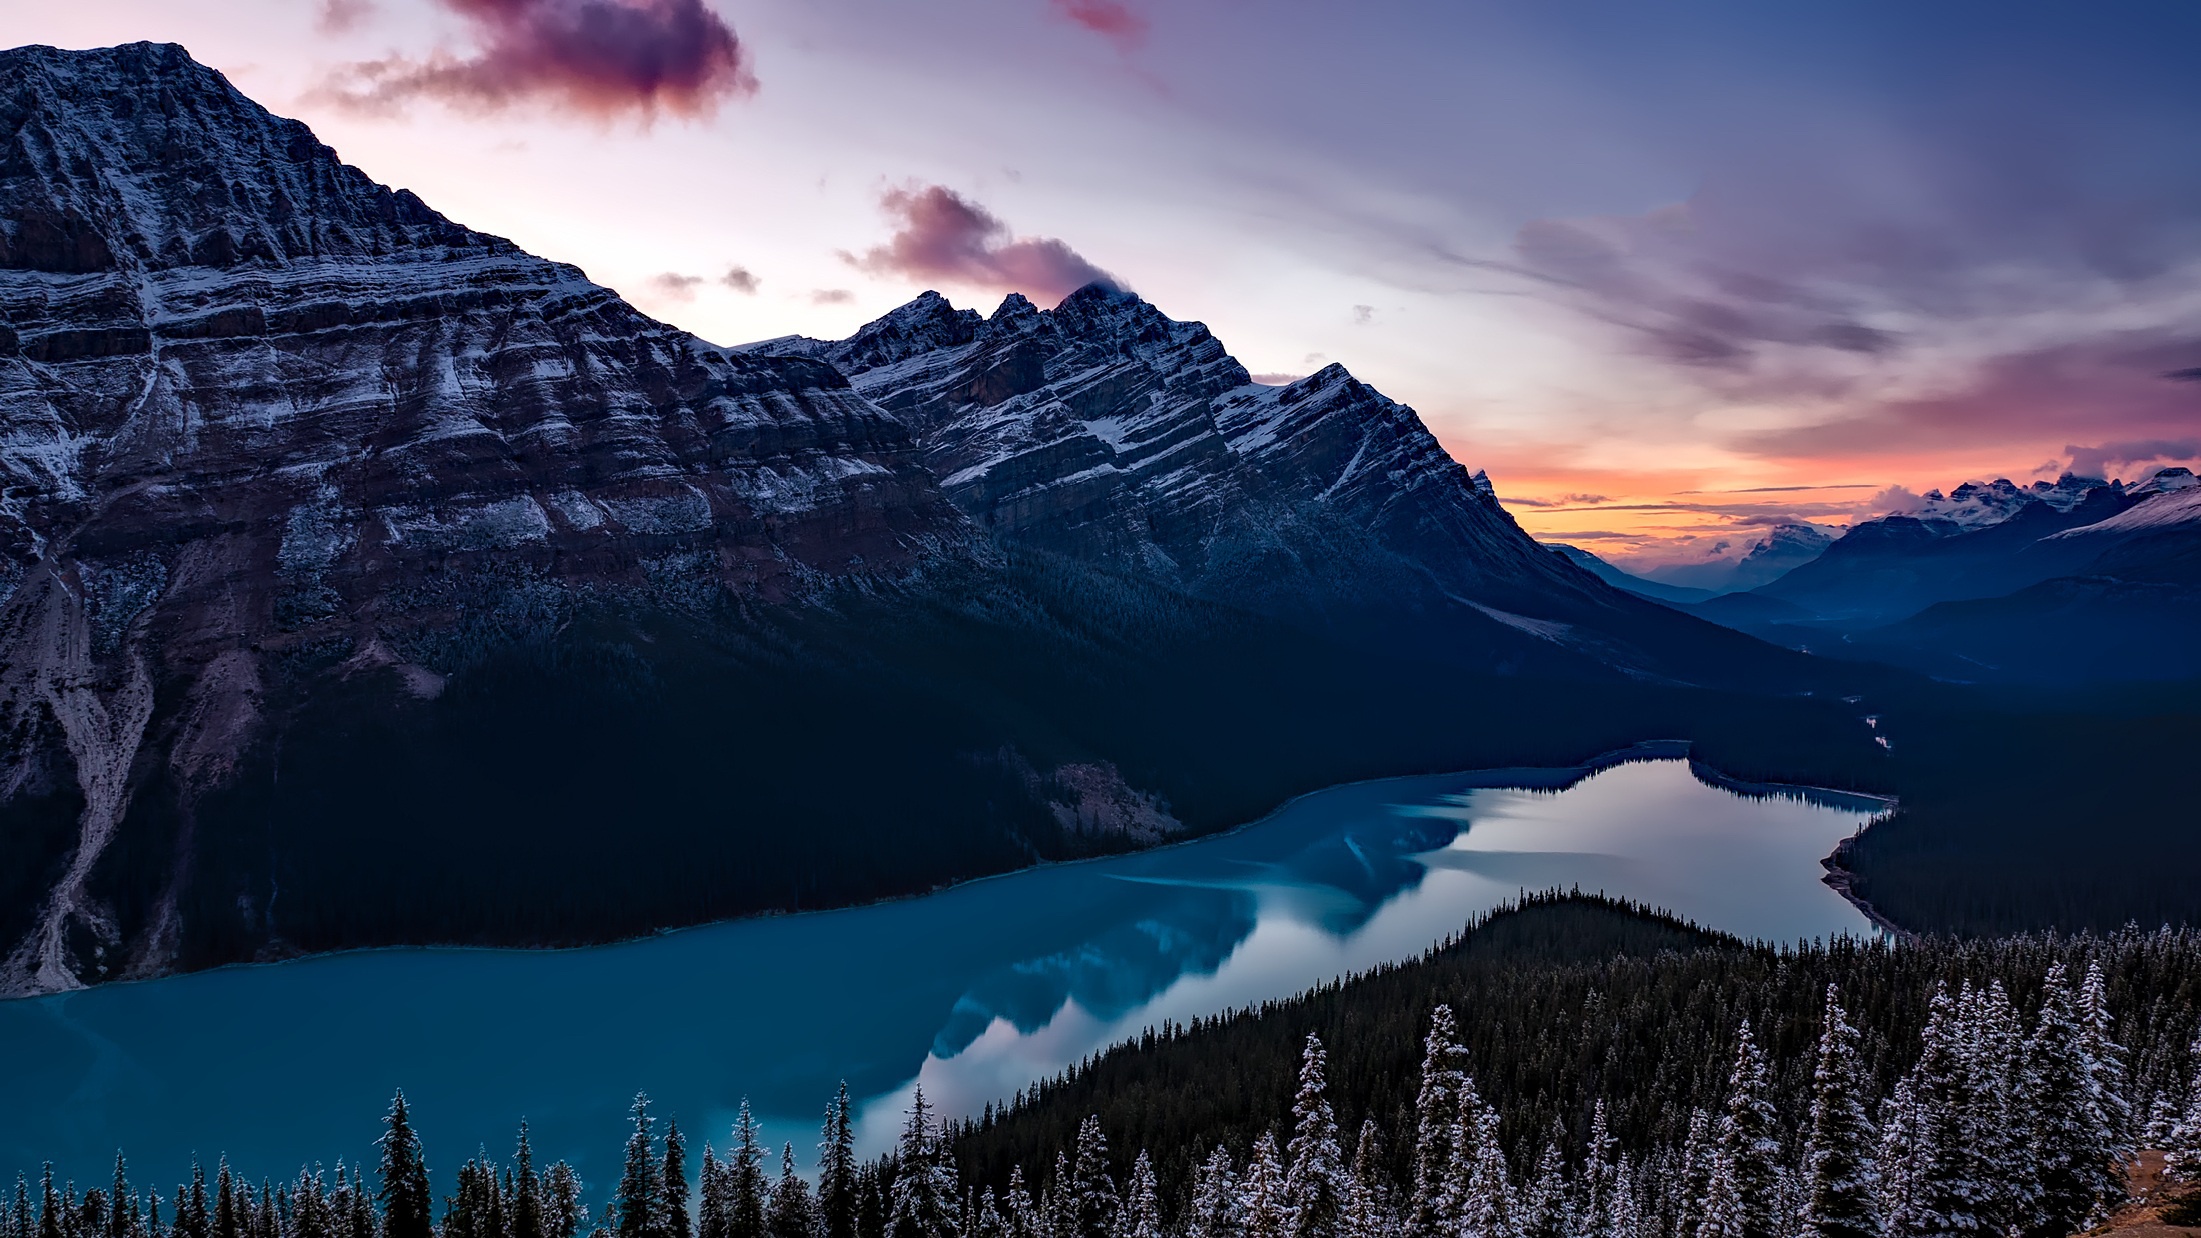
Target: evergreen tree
745, 1185
1543, 1205
2070, 1153
1214, 1211
1906, 1146
1945, 1186
924, 1193
122, 1211
407, 1202
711, 1206
792, 1213
672, 1186
837, 1168
564, 1215
1838, 1156
527, 1191
1432, 1210
1999, 1126
636, 1204
2106, 1060
1694, 1182
1089, 1207
1315, 1187
1142, 1202
2182, 1146
1368, 1213
1020, 1212
1597, 1171
311, 1215
1487, 1204
228, 1216
51, 1213
1263, 1209
1740, 1201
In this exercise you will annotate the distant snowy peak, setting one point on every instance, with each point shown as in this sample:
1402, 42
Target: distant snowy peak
2172, 505
1979, 505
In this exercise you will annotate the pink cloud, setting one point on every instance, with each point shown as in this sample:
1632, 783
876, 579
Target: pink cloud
602, 58
1107, 18
341, 16
945, 237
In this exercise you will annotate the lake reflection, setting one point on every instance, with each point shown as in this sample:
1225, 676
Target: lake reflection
975, 991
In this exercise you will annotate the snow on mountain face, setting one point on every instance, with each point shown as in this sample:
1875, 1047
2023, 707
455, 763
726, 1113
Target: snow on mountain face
1104, 429
253, 403
2173, 502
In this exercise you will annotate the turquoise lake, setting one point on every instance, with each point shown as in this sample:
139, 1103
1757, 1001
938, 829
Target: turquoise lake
974, 991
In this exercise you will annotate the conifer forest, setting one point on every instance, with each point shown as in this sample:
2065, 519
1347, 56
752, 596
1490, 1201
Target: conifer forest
1571, 1067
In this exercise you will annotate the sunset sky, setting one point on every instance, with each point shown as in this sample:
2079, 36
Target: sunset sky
1669, 271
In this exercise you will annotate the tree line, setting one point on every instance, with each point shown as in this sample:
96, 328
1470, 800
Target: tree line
2034, 1070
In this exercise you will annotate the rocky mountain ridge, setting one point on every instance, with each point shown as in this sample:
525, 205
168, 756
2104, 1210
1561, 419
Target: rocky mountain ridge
1105, 430
252, 402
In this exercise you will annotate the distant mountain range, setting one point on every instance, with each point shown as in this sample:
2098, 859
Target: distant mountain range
366, 579
2073, 581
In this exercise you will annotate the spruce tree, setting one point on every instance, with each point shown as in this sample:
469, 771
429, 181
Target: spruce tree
1740, 1200
407, 1203
1945, 1187
1262, 1208
711, 1204
1214, 1211
672, 1187
1487, 1206
1090, 1205
1838, 1156
925, 1201
564, 1215
1543, 1203
228, 1217
837, 1168
527, 1195
1432, 1210
1142, 1202
1315, 1186
2182, 1143
745, 1185
2068, 1146
636, 1204
122, 1204
791, 1214
51, 1213
1368, 1214
1020, 1212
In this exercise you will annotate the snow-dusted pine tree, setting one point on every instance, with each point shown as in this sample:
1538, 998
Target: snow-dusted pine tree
1214, 1209
2105, 1059
1432, 1209
1142, 1202
1487, 1205
2182, 1148
1089, 1209
711, 1187
1315, 1186
564, 1215
1019, 1211
1369, 1213
837, 1168
745, 1185
1838, 1155
672, 1186
1263, 1210
1740, 1200
1542, 1207
792, 1213
926, 1202
2072, 1156
407, 1202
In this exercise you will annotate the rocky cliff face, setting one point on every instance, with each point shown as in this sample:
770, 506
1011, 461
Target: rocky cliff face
253, 403
1106, 430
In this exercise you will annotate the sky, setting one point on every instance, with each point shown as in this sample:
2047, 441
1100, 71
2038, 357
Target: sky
1672, 273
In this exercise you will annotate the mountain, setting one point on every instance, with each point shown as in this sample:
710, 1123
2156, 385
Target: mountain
2124, 603
1984, 544
1106, 431
366, 580
1784, 548
1620, 578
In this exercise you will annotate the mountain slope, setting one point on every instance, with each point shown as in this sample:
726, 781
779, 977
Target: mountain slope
366, 580
1104, 430
256, 408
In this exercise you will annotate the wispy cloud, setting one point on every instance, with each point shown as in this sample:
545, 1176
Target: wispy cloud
1111, 19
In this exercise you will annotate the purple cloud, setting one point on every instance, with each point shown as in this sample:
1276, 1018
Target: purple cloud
947, 238
676, 287
601, 58
1107, 18
740, 280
